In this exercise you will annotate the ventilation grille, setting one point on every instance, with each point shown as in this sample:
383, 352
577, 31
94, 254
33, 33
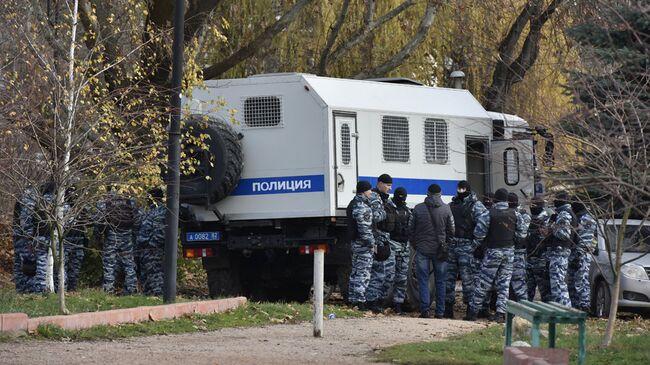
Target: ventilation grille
345, 144
395, 138
436, 146
262, 111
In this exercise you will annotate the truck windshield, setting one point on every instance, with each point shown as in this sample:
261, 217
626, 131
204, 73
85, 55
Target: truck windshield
636, 239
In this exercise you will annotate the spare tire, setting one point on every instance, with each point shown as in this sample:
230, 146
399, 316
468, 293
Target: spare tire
222, 163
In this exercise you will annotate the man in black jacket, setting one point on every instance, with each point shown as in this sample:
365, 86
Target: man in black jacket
430, 230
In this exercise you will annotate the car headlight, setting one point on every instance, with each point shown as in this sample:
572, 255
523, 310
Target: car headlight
633, 271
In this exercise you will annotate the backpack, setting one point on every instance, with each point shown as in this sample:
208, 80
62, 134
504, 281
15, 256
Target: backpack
352, 232
120, 213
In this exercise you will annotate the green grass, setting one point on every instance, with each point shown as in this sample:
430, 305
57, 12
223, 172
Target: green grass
252, 314
87, 300
91, 300
631, 345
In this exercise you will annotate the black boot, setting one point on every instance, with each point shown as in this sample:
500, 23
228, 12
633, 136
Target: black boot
500, 317
449, 311
376, 306
471, 315
425, 314
484, 313
397, 308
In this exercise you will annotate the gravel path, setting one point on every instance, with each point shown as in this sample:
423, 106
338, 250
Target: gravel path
346, 341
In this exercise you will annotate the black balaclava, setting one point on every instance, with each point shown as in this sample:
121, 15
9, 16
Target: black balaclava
561, 199
513, 200
464, 185
577, 207
537, 207
399, 196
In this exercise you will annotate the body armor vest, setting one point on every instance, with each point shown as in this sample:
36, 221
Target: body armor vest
503, 224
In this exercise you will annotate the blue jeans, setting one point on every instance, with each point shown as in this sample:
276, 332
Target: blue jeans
423, 265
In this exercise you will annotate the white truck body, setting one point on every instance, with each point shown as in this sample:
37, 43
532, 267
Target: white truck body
307, 140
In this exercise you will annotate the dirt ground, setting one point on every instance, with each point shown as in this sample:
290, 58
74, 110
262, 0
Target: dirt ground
345, 341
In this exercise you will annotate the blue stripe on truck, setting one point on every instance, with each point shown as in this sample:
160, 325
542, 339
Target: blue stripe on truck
280, 185
418, 186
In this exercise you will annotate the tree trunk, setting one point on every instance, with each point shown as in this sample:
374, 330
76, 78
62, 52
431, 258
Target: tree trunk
613, 306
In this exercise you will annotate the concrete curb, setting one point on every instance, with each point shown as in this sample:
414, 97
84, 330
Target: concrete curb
17, 323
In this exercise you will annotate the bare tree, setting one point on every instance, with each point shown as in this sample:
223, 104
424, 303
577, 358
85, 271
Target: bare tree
515, 57
604, 148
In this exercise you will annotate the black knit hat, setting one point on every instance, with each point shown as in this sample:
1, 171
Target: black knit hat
385, 178
464, 185
434, 189
501, 195
363, 186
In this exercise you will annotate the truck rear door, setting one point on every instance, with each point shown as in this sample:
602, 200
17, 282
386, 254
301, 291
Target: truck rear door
345, 151
511, 167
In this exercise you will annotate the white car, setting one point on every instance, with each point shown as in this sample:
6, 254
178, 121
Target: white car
635, 272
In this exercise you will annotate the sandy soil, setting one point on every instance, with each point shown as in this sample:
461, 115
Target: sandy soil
345, 341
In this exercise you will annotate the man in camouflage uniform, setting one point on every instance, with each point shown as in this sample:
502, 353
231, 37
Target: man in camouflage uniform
119, 218
22, 235
385, 223
41, 219
580, 259
396, 275
518, 281
470, 217
537, 271
362, 246
559, 249
151, 243
76, 242
505, 227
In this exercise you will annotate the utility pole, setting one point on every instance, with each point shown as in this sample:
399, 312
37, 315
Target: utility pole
173, 158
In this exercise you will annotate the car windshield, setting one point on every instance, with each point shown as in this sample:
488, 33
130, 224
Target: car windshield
636, 239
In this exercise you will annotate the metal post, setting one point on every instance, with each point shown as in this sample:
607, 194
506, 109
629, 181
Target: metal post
319, 270
173, 158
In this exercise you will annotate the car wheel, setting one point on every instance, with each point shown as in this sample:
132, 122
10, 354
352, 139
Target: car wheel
602, 300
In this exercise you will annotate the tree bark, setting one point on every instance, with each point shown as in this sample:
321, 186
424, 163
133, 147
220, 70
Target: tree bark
252, 47
613, 306
407, 50
331, 38
511, 69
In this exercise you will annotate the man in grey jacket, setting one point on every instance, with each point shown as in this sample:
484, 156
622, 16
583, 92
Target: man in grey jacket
430, 230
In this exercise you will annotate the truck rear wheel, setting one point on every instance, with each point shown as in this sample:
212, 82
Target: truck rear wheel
223, 280
413, 288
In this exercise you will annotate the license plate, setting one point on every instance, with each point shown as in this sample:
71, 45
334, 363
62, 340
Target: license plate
202, 236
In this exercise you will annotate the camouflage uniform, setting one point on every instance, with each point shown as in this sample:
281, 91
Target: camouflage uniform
22, 234
362, 249
118, 249
580, 261
74, 248
377, 285
42, 235
151, 244
537, 271
518, 281
497, 266
558, 255
461, 250
397, 270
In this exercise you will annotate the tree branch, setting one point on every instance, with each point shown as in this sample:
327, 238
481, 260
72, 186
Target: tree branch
362, 34
331, 38
407, 50
252, 47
